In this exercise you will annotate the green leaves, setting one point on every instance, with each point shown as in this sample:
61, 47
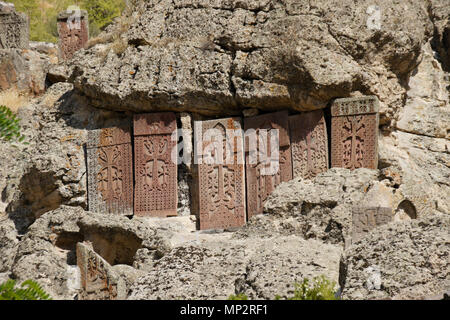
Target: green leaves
240, 296
29, 290
320, 289
9, 126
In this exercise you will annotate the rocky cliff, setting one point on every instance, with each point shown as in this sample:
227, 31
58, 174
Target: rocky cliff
209, 59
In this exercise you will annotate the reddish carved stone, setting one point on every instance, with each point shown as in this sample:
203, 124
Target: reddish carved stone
354, 133
220, 179
156, 191
73, 33
110, 171
260, 186
309, 142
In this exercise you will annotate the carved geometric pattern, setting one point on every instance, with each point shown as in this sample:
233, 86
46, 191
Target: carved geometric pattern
156, 190
354, 133
14, 30
260, 186
365, 219
220, 184
309, 144
72, 39
97, 282
110, 171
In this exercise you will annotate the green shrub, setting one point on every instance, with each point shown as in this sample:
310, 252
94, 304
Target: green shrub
320, 289
240, 296
9, 126
28, 290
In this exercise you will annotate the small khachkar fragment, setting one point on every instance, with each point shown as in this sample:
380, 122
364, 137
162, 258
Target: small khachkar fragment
309, 140
365, 219
73, 30
110, 170
264, 170
220, 173
156, 192
98, 280
354, 133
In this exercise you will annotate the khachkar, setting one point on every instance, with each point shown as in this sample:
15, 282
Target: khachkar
14, 28
264, 170
309, 141
354, 133
220, 173
73, 30
110, 170
366, 219
98, 280
156, 190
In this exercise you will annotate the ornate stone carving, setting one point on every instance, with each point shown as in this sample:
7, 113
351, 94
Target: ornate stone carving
98, 280
365, 219
110, 171
220, 177
354, 140
14, 29
73, 32
309, 140
155, 173
260, 186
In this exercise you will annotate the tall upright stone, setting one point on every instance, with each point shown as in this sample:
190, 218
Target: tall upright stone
219, 174
264, 175
309, 140
110, 170
354, 133
14, 28
156, 190
73, 31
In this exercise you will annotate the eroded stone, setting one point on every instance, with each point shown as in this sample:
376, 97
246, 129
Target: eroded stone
260, 182
365, 219
73, 30
309, 144
14, 29
98, 280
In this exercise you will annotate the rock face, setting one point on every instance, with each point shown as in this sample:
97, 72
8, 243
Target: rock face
322, 208
47, 253
260, 269
405, 260
261, 54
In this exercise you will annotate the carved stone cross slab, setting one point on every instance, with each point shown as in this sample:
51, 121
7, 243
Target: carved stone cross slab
14, 29
365, 219
220, 177
260, 183
98, 280
73, 30
110, 170
156, 191
354, 133
309, 141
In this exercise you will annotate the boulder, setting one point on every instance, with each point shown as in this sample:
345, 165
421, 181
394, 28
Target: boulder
261, 54
258, 268
402, 260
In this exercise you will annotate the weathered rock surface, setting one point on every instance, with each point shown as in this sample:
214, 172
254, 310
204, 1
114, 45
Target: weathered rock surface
321, 208
440, 14
48, 249
261, 54
403, 260
259, 268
